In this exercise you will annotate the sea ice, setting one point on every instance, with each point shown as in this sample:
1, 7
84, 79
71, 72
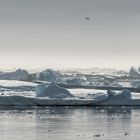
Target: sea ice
52, 91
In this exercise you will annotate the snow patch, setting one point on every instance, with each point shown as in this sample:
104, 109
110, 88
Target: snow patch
15, 83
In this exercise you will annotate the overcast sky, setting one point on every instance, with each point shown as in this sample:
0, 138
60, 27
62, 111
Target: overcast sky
55, 33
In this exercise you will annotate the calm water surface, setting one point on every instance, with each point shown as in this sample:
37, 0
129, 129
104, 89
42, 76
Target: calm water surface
70, 123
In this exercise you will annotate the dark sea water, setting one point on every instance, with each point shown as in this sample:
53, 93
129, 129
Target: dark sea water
70, 123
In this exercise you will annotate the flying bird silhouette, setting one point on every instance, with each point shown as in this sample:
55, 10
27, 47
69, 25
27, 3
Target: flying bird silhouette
87, 18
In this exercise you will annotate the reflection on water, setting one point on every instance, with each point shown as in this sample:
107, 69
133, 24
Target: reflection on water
69, 123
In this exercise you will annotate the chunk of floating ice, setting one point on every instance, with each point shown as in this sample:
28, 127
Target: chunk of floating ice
52, 91
62, 97
98, 97
125, 94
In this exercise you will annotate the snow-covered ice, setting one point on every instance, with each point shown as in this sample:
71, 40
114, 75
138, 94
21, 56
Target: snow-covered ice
14, 83
13, 87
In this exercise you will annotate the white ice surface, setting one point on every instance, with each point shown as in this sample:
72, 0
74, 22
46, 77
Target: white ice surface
13, 87
14, 83
125, 84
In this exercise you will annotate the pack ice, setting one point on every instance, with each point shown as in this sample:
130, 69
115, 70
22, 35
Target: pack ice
55, 95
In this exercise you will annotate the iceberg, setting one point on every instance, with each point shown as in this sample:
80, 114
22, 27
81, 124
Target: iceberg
120, 98
136, 84
125, 94
52, 91
49, 75
98, 97
134, 73
16, 75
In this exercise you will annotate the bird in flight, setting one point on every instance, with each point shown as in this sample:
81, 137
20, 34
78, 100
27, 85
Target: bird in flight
87, 18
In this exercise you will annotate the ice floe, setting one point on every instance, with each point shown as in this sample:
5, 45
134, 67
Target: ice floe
52, 91
55, 95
